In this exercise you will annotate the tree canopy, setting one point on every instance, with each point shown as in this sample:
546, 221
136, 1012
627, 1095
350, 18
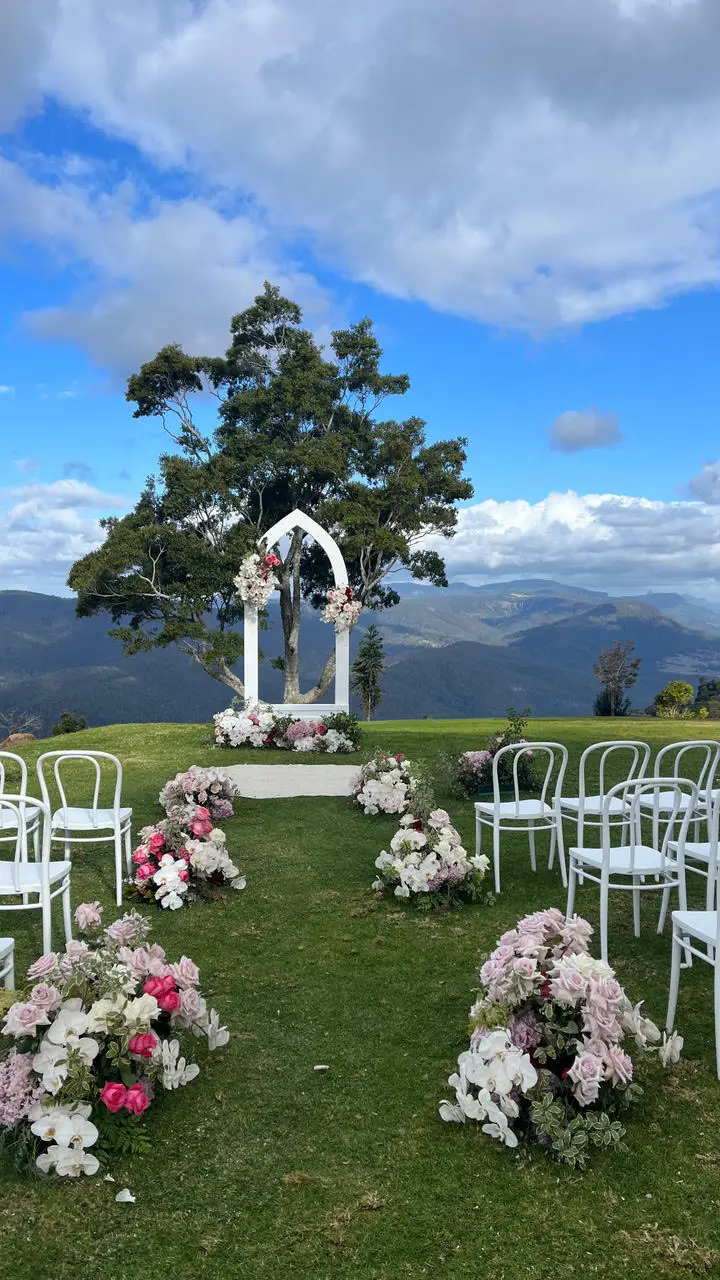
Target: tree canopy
297, 427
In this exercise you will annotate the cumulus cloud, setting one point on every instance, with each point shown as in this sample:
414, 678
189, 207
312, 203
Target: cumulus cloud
171, 271
584, 429
608, 539
706, 485
45, 527
528, 164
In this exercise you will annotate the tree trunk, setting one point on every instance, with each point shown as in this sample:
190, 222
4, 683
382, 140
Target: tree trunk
290, 602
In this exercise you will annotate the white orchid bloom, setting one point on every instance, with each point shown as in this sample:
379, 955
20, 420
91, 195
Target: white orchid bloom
217, 1036
68, 1162
670, 1049
176, 1071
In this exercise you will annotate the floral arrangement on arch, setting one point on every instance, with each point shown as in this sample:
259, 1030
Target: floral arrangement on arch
261, 727
256, 579
391, 784
548, 1060
472, 772
342, 609
100, 1033
184, 856
427, 862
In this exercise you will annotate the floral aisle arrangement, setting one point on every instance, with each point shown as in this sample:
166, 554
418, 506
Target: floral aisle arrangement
342, 608
472, 772
391, 784
210, 788
261, 727
101, 1032
256, 580
548, 1060
427, 862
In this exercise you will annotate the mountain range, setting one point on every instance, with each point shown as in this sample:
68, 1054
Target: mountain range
465, 651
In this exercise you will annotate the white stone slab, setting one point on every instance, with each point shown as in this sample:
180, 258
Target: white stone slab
282, 781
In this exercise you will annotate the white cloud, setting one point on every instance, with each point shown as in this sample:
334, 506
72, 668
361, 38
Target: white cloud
44, 528
23, 48
584, 429
7, 391
604, 539
170, 271
706, 485
526, 164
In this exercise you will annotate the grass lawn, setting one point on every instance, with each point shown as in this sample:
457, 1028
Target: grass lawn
263, 1167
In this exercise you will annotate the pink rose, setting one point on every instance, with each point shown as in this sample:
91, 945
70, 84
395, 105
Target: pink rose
144, 1045
24, 1019
158, 987
619, 1067
136, 1099
144, 872
439, 818
113, 1094
140, 856
192, 1005
170, 1002
49, 963
45, 997
525, 966
184, 876
156, 843
605, 991
568, 986
88, 916
601, 1023
185, 972
122, 930
586, 1074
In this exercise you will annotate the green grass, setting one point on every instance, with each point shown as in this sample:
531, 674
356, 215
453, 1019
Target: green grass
264, 1167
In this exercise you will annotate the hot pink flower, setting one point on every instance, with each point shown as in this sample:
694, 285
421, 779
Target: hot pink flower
113, 1094
136, 1099
159, 987
143, 1045
170, 1002
183, 875
144, 872
140, 856
156, 843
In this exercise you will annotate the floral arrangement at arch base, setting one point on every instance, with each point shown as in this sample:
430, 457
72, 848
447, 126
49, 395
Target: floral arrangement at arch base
427, 862
549, 1058
391, 784
100, 1035
335, 733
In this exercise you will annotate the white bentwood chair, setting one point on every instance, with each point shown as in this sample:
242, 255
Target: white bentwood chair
32, 812
701, 856
678, 754
90, 824
42, 879
636, 865
7, 963
691, 928
525, 815
587, 810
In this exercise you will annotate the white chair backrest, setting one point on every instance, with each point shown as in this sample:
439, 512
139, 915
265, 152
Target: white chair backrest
16, 805
17, 760
639, 753
92, 758
642, 798
677, 754
553, 751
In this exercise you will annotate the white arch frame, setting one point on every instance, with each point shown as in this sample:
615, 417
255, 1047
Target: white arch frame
251, 667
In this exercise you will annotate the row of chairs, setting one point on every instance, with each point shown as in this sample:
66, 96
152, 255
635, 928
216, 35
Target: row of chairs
31, 822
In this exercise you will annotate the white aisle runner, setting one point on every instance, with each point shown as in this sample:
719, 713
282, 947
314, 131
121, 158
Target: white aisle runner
277, 781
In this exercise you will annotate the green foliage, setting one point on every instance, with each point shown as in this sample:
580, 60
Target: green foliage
367, 670
295, 429
603, 705
68, 723
569, 1136
121, 1135
707, 698
344, 722
674, 702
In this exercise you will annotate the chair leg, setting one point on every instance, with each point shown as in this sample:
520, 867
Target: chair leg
478, 834
128, 852
496, 855
551, 859
663, 908
636, 908
10, 975
558, 830
46, 923
67, 914
674, 981
531, 841
572, 878
716, 985
118, 869
604, 895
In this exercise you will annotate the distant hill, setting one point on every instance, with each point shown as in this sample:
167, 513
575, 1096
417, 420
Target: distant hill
465, 651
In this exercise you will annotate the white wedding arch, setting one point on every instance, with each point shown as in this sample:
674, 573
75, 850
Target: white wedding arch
251, 667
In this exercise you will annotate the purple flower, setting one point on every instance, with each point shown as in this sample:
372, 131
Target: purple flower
525, 1030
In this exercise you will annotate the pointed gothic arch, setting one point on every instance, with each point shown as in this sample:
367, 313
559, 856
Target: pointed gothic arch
251, 668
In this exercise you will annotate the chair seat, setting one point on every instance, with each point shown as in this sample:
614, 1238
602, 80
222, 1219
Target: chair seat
700, 852
28, 876
6, 946
8, 819
593, 804
647, 861
516, 809
666, 800
701, 924
87, 819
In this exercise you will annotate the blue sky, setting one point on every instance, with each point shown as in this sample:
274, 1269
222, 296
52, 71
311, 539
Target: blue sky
536, 242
